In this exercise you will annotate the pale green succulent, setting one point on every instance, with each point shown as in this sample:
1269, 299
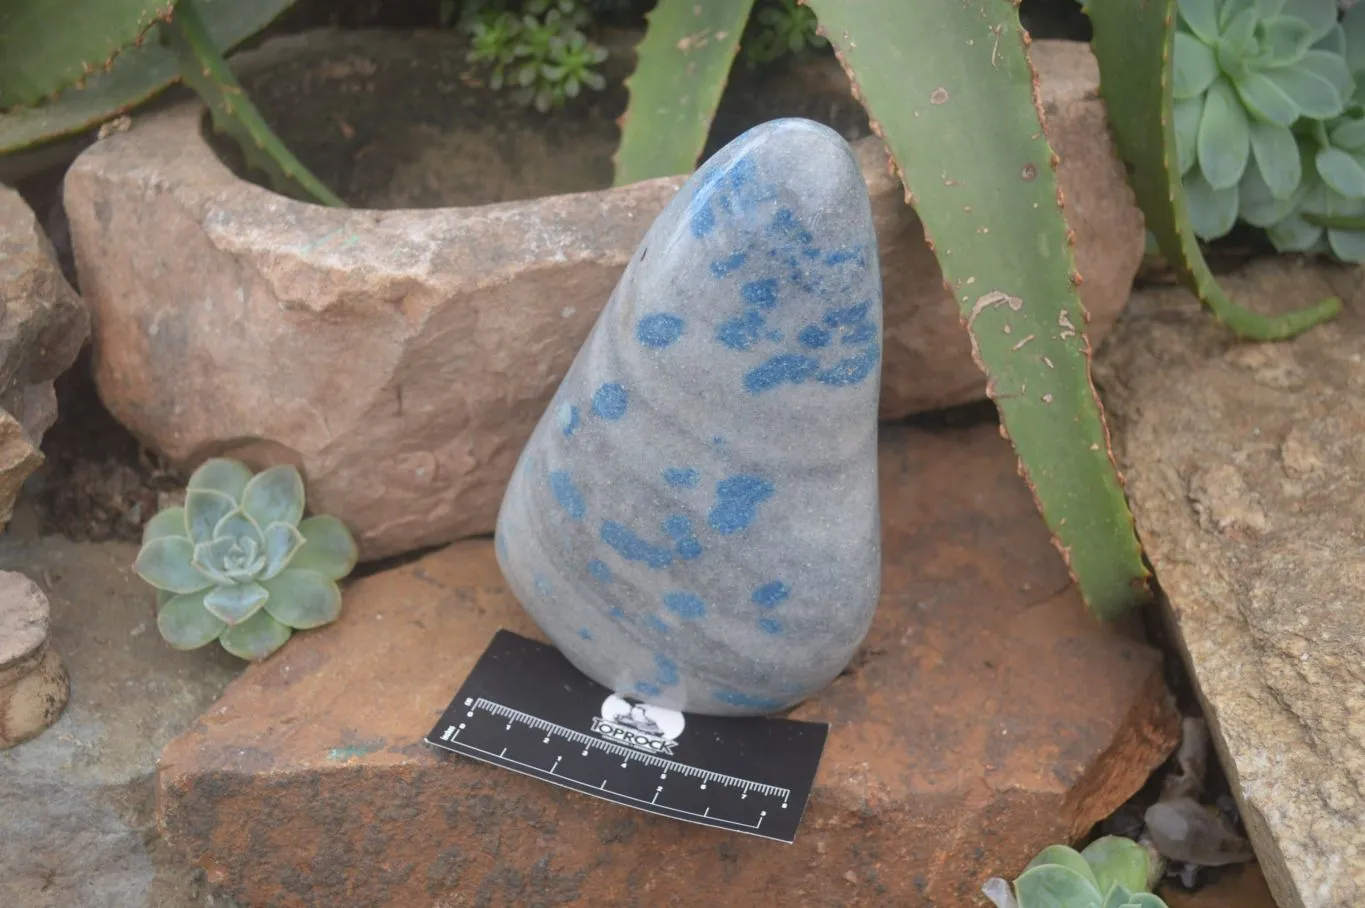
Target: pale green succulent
1112, 872
1246, 74
239, 564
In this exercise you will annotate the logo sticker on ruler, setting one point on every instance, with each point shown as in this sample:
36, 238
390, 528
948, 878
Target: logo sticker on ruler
524, 707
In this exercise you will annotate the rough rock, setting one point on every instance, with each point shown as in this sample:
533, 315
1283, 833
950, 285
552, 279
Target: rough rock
43, 325
76, 820
402, 357
1246, 472
694, 520
33, 683
987, 716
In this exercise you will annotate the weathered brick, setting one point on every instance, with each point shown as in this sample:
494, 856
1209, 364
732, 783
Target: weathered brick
987, 716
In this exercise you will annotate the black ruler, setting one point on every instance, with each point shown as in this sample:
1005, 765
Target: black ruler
524, 707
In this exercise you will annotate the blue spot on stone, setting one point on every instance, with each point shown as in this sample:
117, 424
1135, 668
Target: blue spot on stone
717, 440
656, 624
685, 605
847, 315
567, 494
632, 547
649, 690
860, 333
747, 701
568, 419
813, 336
790, 368
668, 670
839, 256
610, 401
543, 586
689, 549
599, 570
760, 293
770, 625
659, 330
703, 218
678, 526
737, 498
852, 370
770, 595
617, 612
723, 267
585, 633
682, 477
741, 332
785, 223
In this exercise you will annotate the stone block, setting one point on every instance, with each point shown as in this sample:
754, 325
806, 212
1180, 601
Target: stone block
987, 716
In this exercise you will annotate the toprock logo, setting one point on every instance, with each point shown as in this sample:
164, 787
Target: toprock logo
652, 729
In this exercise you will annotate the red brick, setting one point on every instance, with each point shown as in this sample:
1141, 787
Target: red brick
987, 716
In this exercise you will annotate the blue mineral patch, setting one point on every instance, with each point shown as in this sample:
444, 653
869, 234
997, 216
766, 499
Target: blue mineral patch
568, 419
737, 500
599, 571
609, 402
741, 332
632, 547
771, 595
761, 293
729, 264
685, 605
852, 370
682, 477
567, 494
659, 330
785, 368
813, 336
770, 626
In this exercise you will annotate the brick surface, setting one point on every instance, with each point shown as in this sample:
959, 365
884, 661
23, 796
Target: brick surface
987, 716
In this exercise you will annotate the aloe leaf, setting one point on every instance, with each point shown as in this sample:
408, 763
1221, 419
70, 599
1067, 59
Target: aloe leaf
328, 548
170, 522
185, 623
137, 74
256, 637
1133, 43
682, 65
203, 68
43, 51
952, 91
303, 599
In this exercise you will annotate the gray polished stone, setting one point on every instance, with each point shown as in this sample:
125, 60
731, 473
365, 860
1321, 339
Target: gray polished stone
694, 521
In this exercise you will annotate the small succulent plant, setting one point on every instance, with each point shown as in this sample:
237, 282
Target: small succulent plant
780, 28
1112, 872
239, 564
540, 51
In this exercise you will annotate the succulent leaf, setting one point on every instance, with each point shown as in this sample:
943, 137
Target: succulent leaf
1224, 137
167, 563
1257, 204
1284, 39
204, 510
235, 604
185, 623
1116, 861
1313, 94
169, 522
1353, 38
1349, 133
303, 599
328, 548
1187, 115
281, 542
1321, 15
1118, 897
221, 474
1195, 67
1331, 67
210, 559
256, 637
1212, 211
275, 495
1202, 18
1065, 856
239, 525
1267, 100
1341, 172
1056, 886
1277, 158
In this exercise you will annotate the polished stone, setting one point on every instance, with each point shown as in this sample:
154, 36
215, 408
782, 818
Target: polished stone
694, 520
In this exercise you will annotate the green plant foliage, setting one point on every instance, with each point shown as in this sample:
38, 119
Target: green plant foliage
204, 69
137, 74
683, 63
779, 28
951, 89
541, 52
238, 564
44, 50
1110, 873
1135, 46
